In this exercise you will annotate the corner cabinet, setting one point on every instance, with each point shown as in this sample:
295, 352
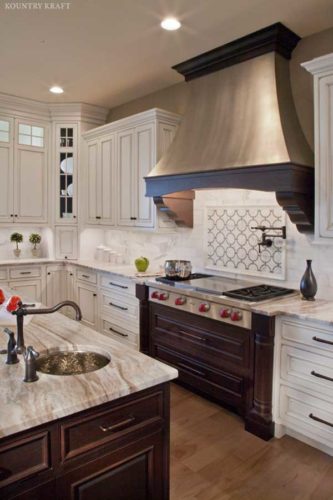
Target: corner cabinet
322, 69
24, 171
118, 157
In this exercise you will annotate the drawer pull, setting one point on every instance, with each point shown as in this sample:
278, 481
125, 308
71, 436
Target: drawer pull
98, 217
25, 272
315, 374
194, 337
85, 276
118, 307
317, 339
118, 333
190, 369
119, 286
115, 427
317, 419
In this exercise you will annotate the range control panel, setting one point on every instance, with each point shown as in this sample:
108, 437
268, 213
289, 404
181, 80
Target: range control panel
207, 308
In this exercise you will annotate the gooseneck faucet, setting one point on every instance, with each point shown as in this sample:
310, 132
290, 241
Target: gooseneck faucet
23, 310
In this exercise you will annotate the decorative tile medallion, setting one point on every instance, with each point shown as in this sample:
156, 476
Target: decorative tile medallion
231, 244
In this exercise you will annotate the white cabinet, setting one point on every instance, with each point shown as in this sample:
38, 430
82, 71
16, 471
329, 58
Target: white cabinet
322, 69
55, 284
86, 296
66, 169
303, 382
101, 180
30, 289
6, 170
66, 242
118, 158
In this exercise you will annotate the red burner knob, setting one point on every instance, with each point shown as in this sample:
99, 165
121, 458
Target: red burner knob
225, 313
236, 316
180, 301
203, 308
155, 295
164, 296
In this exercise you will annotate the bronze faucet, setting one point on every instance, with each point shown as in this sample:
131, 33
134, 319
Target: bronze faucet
23, 310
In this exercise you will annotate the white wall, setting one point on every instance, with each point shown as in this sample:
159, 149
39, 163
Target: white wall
189, 243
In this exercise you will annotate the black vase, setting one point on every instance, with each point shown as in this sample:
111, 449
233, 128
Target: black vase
308, 285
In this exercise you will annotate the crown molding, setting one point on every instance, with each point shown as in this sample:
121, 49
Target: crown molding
320, 64
29, 108
135, 120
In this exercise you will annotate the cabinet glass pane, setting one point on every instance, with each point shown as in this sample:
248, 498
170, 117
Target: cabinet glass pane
4, 136
24, 129
25, 139
4, 126
38, 131
37, 141
66, 174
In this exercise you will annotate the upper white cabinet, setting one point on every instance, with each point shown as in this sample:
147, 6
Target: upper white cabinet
66, 137
118, 158
24, 171
322, 69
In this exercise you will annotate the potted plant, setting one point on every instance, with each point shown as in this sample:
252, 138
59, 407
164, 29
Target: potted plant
16, 238
35, 239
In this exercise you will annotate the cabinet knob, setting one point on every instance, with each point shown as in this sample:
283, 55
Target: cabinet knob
95, 294
74, 216
49, 274
15, 215
11, 215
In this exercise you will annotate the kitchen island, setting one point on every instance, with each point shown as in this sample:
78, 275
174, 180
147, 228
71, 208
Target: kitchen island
83, 436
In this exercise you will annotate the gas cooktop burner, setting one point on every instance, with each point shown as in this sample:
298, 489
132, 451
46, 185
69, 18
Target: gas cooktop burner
258, 292
174, 279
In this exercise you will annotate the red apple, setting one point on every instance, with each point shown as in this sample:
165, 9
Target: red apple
2, 297
13, 303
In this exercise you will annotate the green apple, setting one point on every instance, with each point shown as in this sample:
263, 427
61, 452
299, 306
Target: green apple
141, 263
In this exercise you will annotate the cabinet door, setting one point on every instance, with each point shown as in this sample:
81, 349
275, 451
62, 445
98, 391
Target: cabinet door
136, 472
29, 289
87, 300
106, 180
30, 173
6, 170
93, 195
55, 285
66, 243
145, 145
127, 178
66, 167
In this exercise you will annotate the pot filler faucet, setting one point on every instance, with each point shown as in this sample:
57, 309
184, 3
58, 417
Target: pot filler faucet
22, 311
267, 239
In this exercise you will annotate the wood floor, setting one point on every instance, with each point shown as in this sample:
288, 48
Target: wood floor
213, 458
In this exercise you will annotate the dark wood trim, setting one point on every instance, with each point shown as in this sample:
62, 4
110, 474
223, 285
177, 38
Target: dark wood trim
277, 38
293, 184
258, 418
142, 294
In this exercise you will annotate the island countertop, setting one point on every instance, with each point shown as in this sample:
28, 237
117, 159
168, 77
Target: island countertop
27, 405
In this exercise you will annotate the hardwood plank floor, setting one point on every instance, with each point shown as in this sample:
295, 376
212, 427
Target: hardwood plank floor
214, 458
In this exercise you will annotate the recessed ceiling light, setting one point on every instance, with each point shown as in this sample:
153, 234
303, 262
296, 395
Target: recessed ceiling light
170, 24
56, 90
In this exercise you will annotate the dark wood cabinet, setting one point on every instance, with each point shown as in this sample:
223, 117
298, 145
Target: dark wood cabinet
213, 359
117, 451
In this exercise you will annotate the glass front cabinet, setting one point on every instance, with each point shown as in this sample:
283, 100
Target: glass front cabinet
66, 171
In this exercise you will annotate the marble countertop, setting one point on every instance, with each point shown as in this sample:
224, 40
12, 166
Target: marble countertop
26, 405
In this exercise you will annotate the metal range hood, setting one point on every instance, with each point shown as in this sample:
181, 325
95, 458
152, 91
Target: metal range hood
240, 129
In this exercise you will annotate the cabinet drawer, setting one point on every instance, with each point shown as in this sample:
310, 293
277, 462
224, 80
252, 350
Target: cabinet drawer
221, 385
85, 433
307, 370
119, 333
3, 274
306, 414
118, 284
25, 272
24, 457
121, 310
218, 349
86, 275
318, 337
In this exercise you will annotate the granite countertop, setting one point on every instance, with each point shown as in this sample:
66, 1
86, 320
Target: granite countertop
26, 405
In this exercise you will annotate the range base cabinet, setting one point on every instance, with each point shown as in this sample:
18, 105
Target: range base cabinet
119, 450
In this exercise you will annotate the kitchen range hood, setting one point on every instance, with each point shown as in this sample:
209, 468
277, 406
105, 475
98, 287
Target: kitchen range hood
240, 129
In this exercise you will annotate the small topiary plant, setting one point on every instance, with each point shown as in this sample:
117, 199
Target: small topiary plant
35, 239
16, 238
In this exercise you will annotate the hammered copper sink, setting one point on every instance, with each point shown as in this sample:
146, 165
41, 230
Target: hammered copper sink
63, 361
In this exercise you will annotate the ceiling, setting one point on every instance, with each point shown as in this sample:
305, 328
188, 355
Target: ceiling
108, 52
